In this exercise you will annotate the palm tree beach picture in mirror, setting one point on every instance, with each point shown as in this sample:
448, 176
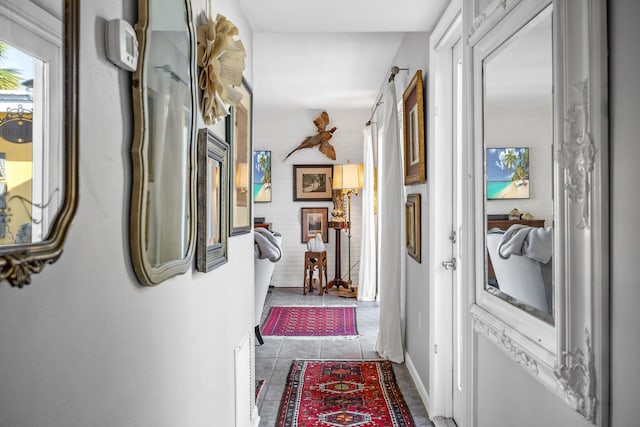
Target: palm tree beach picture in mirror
507, 173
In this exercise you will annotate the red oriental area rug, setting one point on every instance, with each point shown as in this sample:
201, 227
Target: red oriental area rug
342, 393
309, 321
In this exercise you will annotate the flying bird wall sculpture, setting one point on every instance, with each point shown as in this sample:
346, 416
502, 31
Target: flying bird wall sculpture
321, 139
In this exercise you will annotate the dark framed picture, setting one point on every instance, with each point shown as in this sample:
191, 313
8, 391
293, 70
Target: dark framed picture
414, 147
314, 221
312, 182
213, 201
413, 226
241, 149
262, 176
507, 173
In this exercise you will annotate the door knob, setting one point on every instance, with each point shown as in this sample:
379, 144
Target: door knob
449, 265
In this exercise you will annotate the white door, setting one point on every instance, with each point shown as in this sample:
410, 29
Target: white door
447, 308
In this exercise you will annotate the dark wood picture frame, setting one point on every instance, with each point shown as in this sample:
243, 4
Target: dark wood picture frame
312, 222
241, 182
213, 201
413, 234
313, 183
413, 119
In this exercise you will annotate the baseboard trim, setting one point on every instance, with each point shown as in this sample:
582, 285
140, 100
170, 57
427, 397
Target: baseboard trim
443, 422
422, 391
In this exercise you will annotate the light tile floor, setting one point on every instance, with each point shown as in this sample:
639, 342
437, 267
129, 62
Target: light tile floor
273, 359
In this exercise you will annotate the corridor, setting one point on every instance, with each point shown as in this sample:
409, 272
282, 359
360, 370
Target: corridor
273, 359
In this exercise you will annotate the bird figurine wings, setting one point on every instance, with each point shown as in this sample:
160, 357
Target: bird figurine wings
321, 139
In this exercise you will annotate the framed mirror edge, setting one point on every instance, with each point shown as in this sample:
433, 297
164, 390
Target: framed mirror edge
484, 20
146, 274
18, 262
241, 229
577, 370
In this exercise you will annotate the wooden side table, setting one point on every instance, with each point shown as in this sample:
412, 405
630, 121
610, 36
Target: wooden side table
337, 281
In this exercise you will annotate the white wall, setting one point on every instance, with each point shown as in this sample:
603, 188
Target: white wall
414, 55
280, 131
85, 344
624, 111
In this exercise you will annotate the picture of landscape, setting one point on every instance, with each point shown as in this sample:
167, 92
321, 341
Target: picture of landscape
262, 176
507, 173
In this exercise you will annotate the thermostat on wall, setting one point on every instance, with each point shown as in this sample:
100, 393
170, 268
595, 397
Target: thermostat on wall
122, 44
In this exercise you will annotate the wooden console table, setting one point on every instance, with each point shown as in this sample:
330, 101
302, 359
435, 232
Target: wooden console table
337, 281
504, 224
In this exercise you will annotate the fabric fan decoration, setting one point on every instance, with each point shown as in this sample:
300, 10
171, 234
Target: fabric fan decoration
221, 57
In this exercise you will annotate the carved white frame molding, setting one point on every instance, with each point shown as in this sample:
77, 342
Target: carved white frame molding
570, 357
485, 20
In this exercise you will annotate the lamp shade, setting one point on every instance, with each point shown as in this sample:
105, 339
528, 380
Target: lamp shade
348, 176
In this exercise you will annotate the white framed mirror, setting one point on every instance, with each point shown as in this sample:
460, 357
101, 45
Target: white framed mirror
539, 142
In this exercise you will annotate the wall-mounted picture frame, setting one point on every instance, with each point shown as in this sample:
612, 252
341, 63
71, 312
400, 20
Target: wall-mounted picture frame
413, 223
507, 172
312, 183
213, 201
312, 222
413, 120
262, 176
241, 155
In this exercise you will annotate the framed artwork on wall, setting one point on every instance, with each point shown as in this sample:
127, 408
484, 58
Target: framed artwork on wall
413, 226
312, 182
241, 152
262, 176
314, 221
507, 173
413, 119
213, 201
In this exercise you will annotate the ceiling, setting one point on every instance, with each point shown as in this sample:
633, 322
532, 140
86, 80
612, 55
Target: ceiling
329, 54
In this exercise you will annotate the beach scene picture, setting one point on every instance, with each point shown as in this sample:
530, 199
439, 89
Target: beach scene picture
507, 173
262, 176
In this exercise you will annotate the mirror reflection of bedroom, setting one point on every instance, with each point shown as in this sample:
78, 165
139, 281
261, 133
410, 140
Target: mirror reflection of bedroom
518, 142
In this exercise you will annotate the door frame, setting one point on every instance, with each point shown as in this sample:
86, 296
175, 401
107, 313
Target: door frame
446, 34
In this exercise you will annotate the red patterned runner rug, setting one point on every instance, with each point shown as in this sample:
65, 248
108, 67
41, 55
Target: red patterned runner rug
309, 321
342, 393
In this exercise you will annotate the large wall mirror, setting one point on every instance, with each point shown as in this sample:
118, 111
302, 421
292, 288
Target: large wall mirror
38, 135
540, 156
518, 159
163, 218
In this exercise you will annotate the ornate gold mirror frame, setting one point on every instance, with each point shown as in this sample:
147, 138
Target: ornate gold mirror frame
19, 261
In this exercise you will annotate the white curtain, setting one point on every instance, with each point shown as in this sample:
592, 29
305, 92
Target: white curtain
367, 277
391, 251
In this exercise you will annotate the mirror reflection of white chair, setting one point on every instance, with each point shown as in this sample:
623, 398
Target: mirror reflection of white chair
518, 276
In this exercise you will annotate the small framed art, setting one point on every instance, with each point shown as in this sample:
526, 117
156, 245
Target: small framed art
507, 173
312, 182
413, 226
213, 201
241, 151
414, 147
262, 176
314, 221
